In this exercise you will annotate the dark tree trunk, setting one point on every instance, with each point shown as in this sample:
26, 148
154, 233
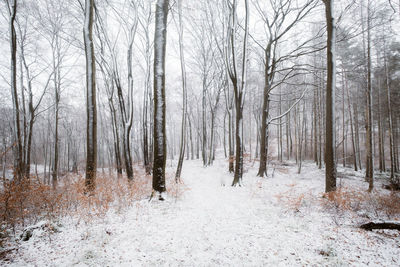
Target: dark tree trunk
116, 142
160, 41
385, 225
262, 170
238, 138
330, 164
231, 146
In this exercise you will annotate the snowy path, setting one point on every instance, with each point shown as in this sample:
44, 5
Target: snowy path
212, 225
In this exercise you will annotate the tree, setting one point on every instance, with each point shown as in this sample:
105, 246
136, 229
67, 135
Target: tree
112, 75
330, 146
127, 110
285, 15
145, 21
33, 108
369, 174
184, 95
91, 134
17, 138
160, 145
238, 80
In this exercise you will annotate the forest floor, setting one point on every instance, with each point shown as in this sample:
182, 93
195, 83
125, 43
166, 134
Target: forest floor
282, 220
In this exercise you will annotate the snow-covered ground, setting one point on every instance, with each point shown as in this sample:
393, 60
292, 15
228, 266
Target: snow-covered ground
275, 221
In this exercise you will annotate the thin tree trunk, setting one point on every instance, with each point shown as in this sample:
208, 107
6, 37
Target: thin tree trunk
357, 133
390, 120
184, 95
17, 138
380, 134
351, 126
204, 125
343, 123
369, 174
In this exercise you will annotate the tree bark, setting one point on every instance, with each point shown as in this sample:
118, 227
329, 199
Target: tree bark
91, 135
238, 87
160, 146
330, 164
262, 170
353, 143
17, 138
184, 96
369, 174
390, 120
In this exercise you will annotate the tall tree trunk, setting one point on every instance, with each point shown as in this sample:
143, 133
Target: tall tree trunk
390, 120
357, 132
330, 164
343, 123
302, 137
184, 96
380, 134
238, 138
353, 143
160, 146
211, 147
191, 138
369, 174
231, 145
128, 118
262, 170
147, 98
17, 138
204, 124
315, 112
320, 125
91, 135
238, 87
56, 139
280, 126
116, 141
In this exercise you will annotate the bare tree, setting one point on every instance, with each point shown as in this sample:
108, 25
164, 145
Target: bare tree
145, 21
184, 95
17, 137
33, 107
284, 17
238, 80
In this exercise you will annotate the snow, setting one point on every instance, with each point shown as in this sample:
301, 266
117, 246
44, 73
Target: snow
213, 225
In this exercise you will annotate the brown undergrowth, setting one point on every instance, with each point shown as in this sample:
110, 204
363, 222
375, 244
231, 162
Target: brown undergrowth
377, 204
27, 202
374, 205
294, 200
